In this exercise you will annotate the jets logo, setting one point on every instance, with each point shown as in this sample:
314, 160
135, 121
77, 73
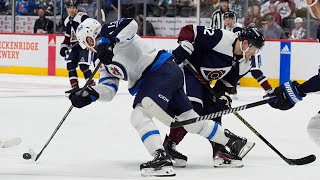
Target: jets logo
214, 73
117, 70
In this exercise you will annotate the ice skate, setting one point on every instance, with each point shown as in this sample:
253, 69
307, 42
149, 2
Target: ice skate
225, 159
179, 160
238, 145
160, 166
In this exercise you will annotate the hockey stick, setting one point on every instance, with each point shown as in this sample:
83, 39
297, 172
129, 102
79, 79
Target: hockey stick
300, 161
68, 112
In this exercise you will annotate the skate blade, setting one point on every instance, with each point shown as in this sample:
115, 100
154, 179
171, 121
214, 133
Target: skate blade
244, 151
164, 171
10, 143
220, 163
179, 163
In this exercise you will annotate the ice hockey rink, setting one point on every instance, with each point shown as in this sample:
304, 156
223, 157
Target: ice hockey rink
98, 141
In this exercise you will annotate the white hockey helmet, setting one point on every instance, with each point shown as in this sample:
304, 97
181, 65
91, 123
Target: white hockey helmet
87, 33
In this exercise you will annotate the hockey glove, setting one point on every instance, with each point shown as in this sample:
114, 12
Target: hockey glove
223, 102
63, 51
87, 97
286, 96
183, 51
104, 50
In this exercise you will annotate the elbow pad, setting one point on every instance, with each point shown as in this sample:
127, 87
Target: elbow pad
183, 51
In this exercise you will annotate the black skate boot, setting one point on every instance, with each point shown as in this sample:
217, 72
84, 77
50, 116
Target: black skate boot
179, 159
74, 89
224, 159
238, 145
160, 166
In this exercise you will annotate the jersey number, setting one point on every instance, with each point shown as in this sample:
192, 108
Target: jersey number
208, 30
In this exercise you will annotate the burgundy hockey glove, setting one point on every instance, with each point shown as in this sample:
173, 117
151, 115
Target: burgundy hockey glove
87, 97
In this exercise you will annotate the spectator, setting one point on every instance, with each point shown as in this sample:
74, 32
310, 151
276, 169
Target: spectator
298, 32
273, 30
217, 16
89, 8
264, 8
43, 24
273, 11
48, 6
149, 28
253, 18
286, 8
111, 10
26, 7
4, 6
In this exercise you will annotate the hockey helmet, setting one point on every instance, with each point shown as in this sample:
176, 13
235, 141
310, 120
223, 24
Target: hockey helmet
87, 33
71, 3
253, 36
229, 14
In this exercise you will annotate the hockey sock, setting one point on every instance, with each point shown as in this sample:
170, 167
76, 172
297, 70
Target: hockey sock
176, 134
147, 130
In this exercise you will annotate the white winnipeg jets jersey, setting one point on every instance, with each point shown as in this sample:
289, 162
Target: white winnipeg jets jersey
132, 59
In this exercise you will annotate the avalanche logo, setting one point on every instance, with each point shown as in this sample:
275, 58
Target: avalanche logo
214, 73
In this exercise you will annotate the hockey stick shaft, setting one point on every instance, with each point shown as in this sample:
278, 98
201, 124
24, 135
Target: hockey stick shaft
289, 161
216, 114
68, 112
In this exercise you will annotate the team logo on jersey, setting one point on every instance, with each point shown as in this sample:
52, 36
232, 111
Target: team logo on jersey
117, 70
73, 37
214, 73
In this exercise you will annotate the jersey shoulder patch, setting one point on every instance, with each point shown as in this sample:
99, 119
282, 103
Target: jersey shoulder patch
77, 18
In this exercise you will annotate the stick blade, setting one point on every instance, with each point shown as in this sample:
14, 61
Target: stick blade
302, 161
13, 142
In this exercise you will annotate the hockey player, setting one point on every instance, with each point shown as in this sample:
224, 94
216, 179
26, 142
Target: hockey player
256, 72
126, 56
230, 23
220, 55
77, 56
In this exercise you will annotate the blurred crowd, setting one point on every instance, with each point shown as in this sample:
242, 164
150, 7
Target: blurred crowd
277, 18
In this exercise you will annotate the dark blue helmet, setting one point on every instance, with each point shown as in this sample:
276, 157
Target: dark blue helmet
253, 36
229, 14
71, 3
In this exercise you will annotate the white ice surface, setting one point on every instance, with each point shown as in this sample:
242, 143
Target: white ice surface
98, 141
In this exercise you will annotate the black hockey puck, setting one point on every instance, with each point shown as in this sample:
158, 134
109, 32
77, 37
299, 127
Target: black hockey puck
26, 156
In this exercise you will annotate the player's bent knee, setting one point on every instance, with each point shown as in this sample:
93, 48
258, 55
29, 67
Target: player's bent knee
71, 66
139, 117
84, 67
192, 128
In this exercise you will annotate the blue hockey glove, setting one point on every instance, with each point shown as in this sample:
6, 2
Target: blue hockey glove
87, 97
104, 50
286, 96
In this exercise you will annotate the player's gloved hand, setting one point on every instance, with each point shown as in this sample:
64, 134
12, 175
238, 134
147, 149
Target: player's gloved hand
63, 51
87, 97
183, 51
223, 102
104, 50
286, 95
